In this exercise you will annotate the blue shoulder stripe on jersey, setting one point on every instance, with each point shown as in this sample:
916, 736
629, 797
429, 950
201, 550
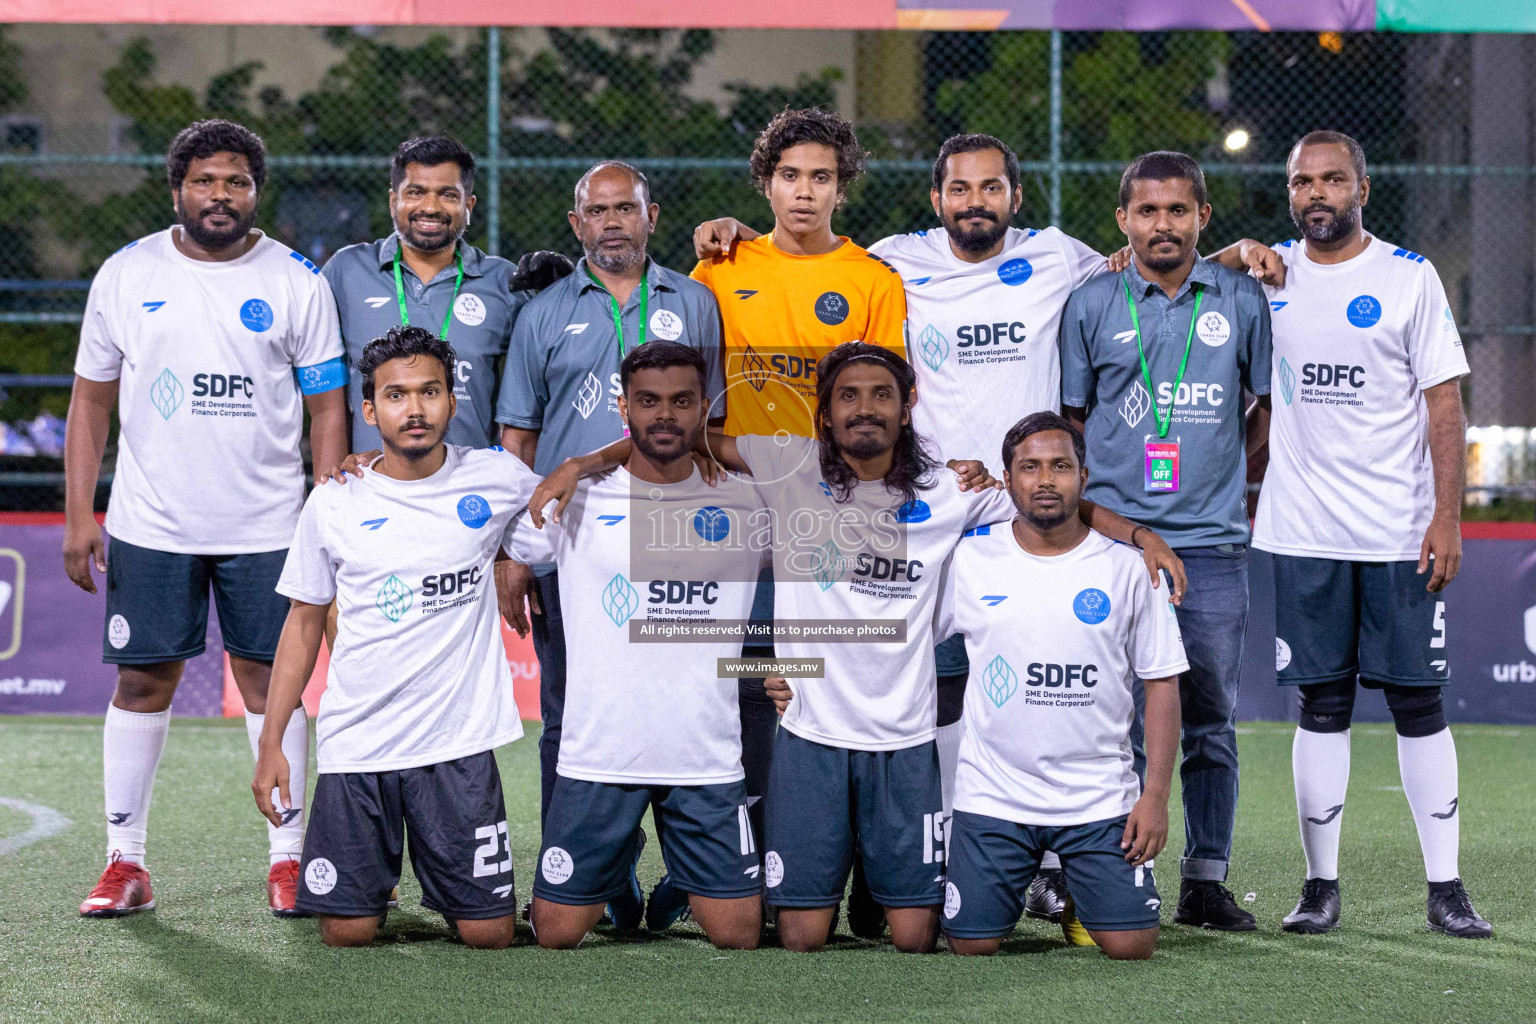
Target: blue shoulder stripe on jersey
125, 248
1283, 245
1408, 255
322, 377
1032, 233
978, 531
302, 259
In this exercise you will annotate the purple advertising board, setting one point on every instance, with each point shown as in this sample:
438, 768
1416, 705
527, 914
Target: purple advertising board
51, 635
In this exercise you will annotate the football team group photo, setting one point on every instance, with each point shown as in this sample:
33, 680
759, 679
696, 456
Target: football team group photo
850, 591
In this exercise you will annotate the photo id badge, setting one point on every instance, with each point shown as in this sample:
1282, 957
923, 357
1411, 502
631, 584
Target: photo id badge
1162, 466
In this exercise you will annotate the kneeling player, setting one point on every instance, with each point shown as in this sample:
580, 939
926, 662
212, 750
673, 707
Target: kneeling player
647, 722
419, 693
1061, 622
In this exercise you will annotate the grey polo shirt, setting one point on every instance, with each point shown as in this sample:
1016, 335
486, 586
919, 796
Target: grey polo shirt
562, 373
1100, 371
363, 280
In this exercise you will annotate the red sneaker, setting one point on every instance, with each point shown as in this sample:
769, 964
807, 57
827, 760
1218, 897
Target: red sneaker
124, 889
283, 889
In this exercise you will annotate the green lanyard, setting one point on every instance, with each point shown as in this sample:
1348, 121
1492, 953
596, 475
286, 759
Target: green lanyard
458, 281
618, 313
1163, 419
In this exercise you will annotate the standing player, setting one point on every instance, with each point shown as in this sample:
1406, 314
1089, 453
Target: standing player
1361, 499
424, 273
1156, 360
1046, 761
647, 722
212, 340
787, 299
418, 691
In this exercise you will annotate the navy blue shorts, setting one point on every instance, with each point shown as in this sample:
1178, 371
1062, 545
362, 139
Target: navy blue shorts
992, 861
157, 604
1335, 620
457, 822
593, 830
825, 802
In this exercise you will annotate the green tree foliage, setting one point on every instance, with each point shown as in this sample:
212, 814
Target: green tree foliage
1122, 94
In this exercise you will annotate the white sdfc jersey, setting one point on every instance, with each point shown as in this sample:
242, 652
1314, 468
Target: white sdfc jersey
419, 674
212, 359
1356, 344
982, 336
1056, 645
637, 559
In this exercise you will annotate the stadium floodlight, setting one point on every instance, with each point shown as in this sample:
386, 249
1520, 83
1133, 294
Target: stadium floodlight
1237, 140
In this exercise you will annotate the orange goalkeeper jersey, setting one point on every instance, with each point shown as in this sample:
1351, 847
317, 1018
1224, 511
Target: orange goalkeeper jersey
782, 313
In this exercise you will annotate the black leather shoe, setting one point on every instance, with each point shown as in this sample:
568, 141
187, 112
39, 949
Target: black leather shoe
1451, 913
1047, 896
1318, 910
1211, 905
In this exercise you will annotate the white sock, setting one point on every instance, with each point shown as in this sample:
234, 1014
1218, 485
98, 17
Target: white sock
947, 738
1050, 861
131, 745
1428, 768
286, 842
1320, 768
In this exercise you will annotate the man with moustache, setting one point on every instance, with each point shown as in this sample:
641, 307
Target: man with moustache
425, 274
672, 744
1361, 500
1155, 363
561, 387
212, 341
1046, 759
419, 693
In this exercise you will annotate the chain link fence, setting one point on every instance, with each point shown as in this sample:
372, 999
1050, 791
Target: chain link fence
86, 112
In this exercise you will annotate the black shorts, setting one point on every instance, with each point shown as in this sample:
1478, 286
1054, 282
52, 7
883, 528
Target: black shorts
591, 837
458, 831
1335, 620
823, 803
992, 861
157, 604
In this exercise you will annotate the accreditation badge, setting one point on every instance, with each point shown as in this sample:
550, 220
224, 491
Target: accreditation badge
1162, 466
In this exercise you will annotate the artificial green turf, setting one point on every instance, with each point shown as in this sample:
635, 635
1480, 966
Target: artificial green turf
211, 952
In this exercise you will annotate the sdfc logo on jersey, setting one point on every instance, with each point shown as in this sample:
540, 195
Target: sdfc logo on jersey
831, 308
474, 511
1363, 311
589, 395
166, 393
1287, 381
1091, 606
932, 347
999, 681
394, 598
620, 600
256, 315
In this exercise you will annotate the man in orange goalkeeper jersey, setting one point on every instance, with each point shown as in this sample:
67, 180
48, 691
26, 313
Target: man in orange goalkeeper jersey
789, 297
786, 299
